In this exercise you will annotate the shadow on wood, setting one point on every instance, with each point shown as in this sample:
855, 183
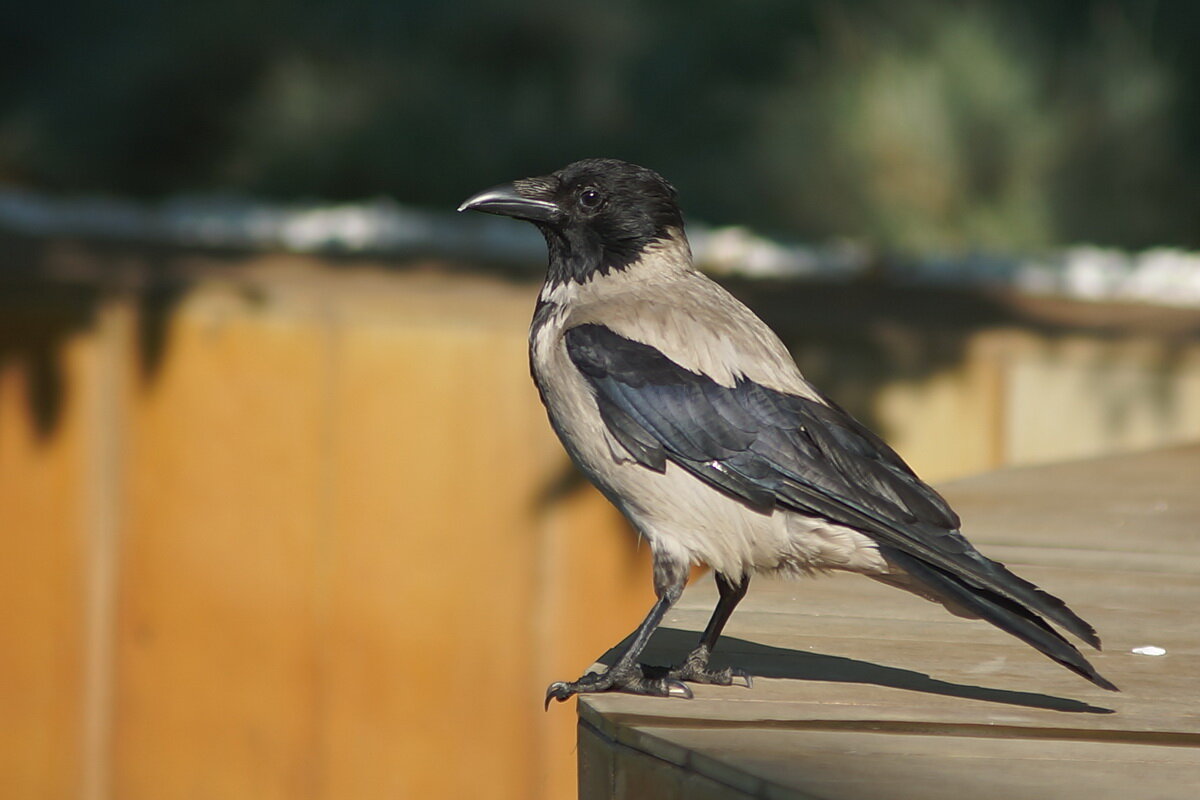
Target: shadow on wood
670, 645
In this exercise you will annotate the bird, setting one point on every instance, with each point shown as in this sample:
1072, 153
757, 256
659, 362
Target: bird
690, 415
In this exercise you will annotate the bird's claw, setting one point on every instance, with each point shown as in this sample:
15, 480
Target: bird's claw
695, 669
741, 674
730, 676
651, 681
559, 691
628, 681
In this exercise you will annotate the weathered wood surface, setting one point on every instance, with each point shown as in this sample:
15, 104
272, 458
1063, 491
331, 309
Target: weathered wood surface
864, 692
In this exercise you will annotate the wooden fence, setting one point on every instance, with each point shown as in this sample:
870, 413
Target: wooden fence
279, 528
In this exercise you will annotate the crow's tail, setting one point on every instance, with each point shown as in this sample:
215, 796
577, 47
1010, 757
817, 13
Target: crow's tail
1006, 614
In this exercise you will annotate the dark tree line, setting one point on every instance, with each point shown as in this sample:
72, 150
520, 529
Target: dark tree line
1006, 124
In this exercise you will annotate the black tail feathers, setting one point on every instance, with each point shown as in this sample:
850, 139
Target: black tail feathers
1010, 615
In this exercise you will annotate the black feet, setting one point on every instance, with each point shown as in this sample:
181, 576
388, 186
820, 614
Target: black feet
619, 678
696, 670
653, 681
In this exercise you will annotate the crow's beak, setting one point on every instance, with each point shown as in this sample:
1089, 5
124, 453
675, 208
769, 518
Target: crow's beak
526, 199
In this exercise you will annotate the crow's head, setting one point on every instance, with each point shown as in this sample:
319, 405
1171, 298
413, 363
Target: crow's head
597, 215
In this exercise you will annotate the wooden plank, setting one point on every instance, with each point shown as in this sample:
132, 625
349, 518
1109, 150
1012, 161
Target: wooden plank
412, 628
1141, 502
445, 470
1110, 560
1078, 396
1120, 609
867, 692
968, 400
885, 766
764, 627
217, 671
48, 387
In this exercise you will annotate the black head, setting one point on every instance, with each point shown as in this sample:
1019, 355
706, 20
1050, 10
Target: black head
598, 215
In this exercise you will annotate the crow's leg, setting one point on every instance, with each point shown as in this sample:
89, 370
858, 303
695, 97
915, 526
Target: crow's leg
695, 669
626, 674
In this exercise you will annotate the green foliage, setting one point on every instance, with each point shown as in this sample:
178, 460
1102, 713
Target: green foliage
925, 125
936, 138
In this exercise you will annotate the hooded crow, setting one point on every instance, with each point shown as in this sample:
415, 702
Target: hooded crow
690, 415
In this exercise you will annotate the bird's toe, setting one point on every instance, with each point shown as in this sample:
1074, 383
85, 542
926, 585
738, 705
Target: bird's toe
744, 677
695, 669
627, 681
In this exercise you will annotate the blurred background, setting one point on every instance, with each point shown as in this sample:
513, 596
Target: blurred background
282, 515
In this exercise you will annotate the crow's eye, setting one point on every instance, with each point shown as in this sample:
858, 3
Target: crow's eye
590, 198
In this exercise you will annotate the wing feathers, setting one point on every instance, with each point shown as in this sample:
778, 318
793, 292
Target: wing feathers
634, 437
769, 448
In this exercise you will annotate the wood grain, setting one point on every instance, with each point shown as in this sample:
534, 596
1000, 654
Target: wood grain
864, 692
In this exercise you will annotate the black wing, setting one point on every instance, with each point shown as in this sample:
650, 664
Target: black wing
760, 445
768, 448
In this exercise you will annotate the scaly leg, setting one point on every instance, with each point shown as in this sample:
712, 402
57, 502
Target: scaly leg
626, 675
695, 668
